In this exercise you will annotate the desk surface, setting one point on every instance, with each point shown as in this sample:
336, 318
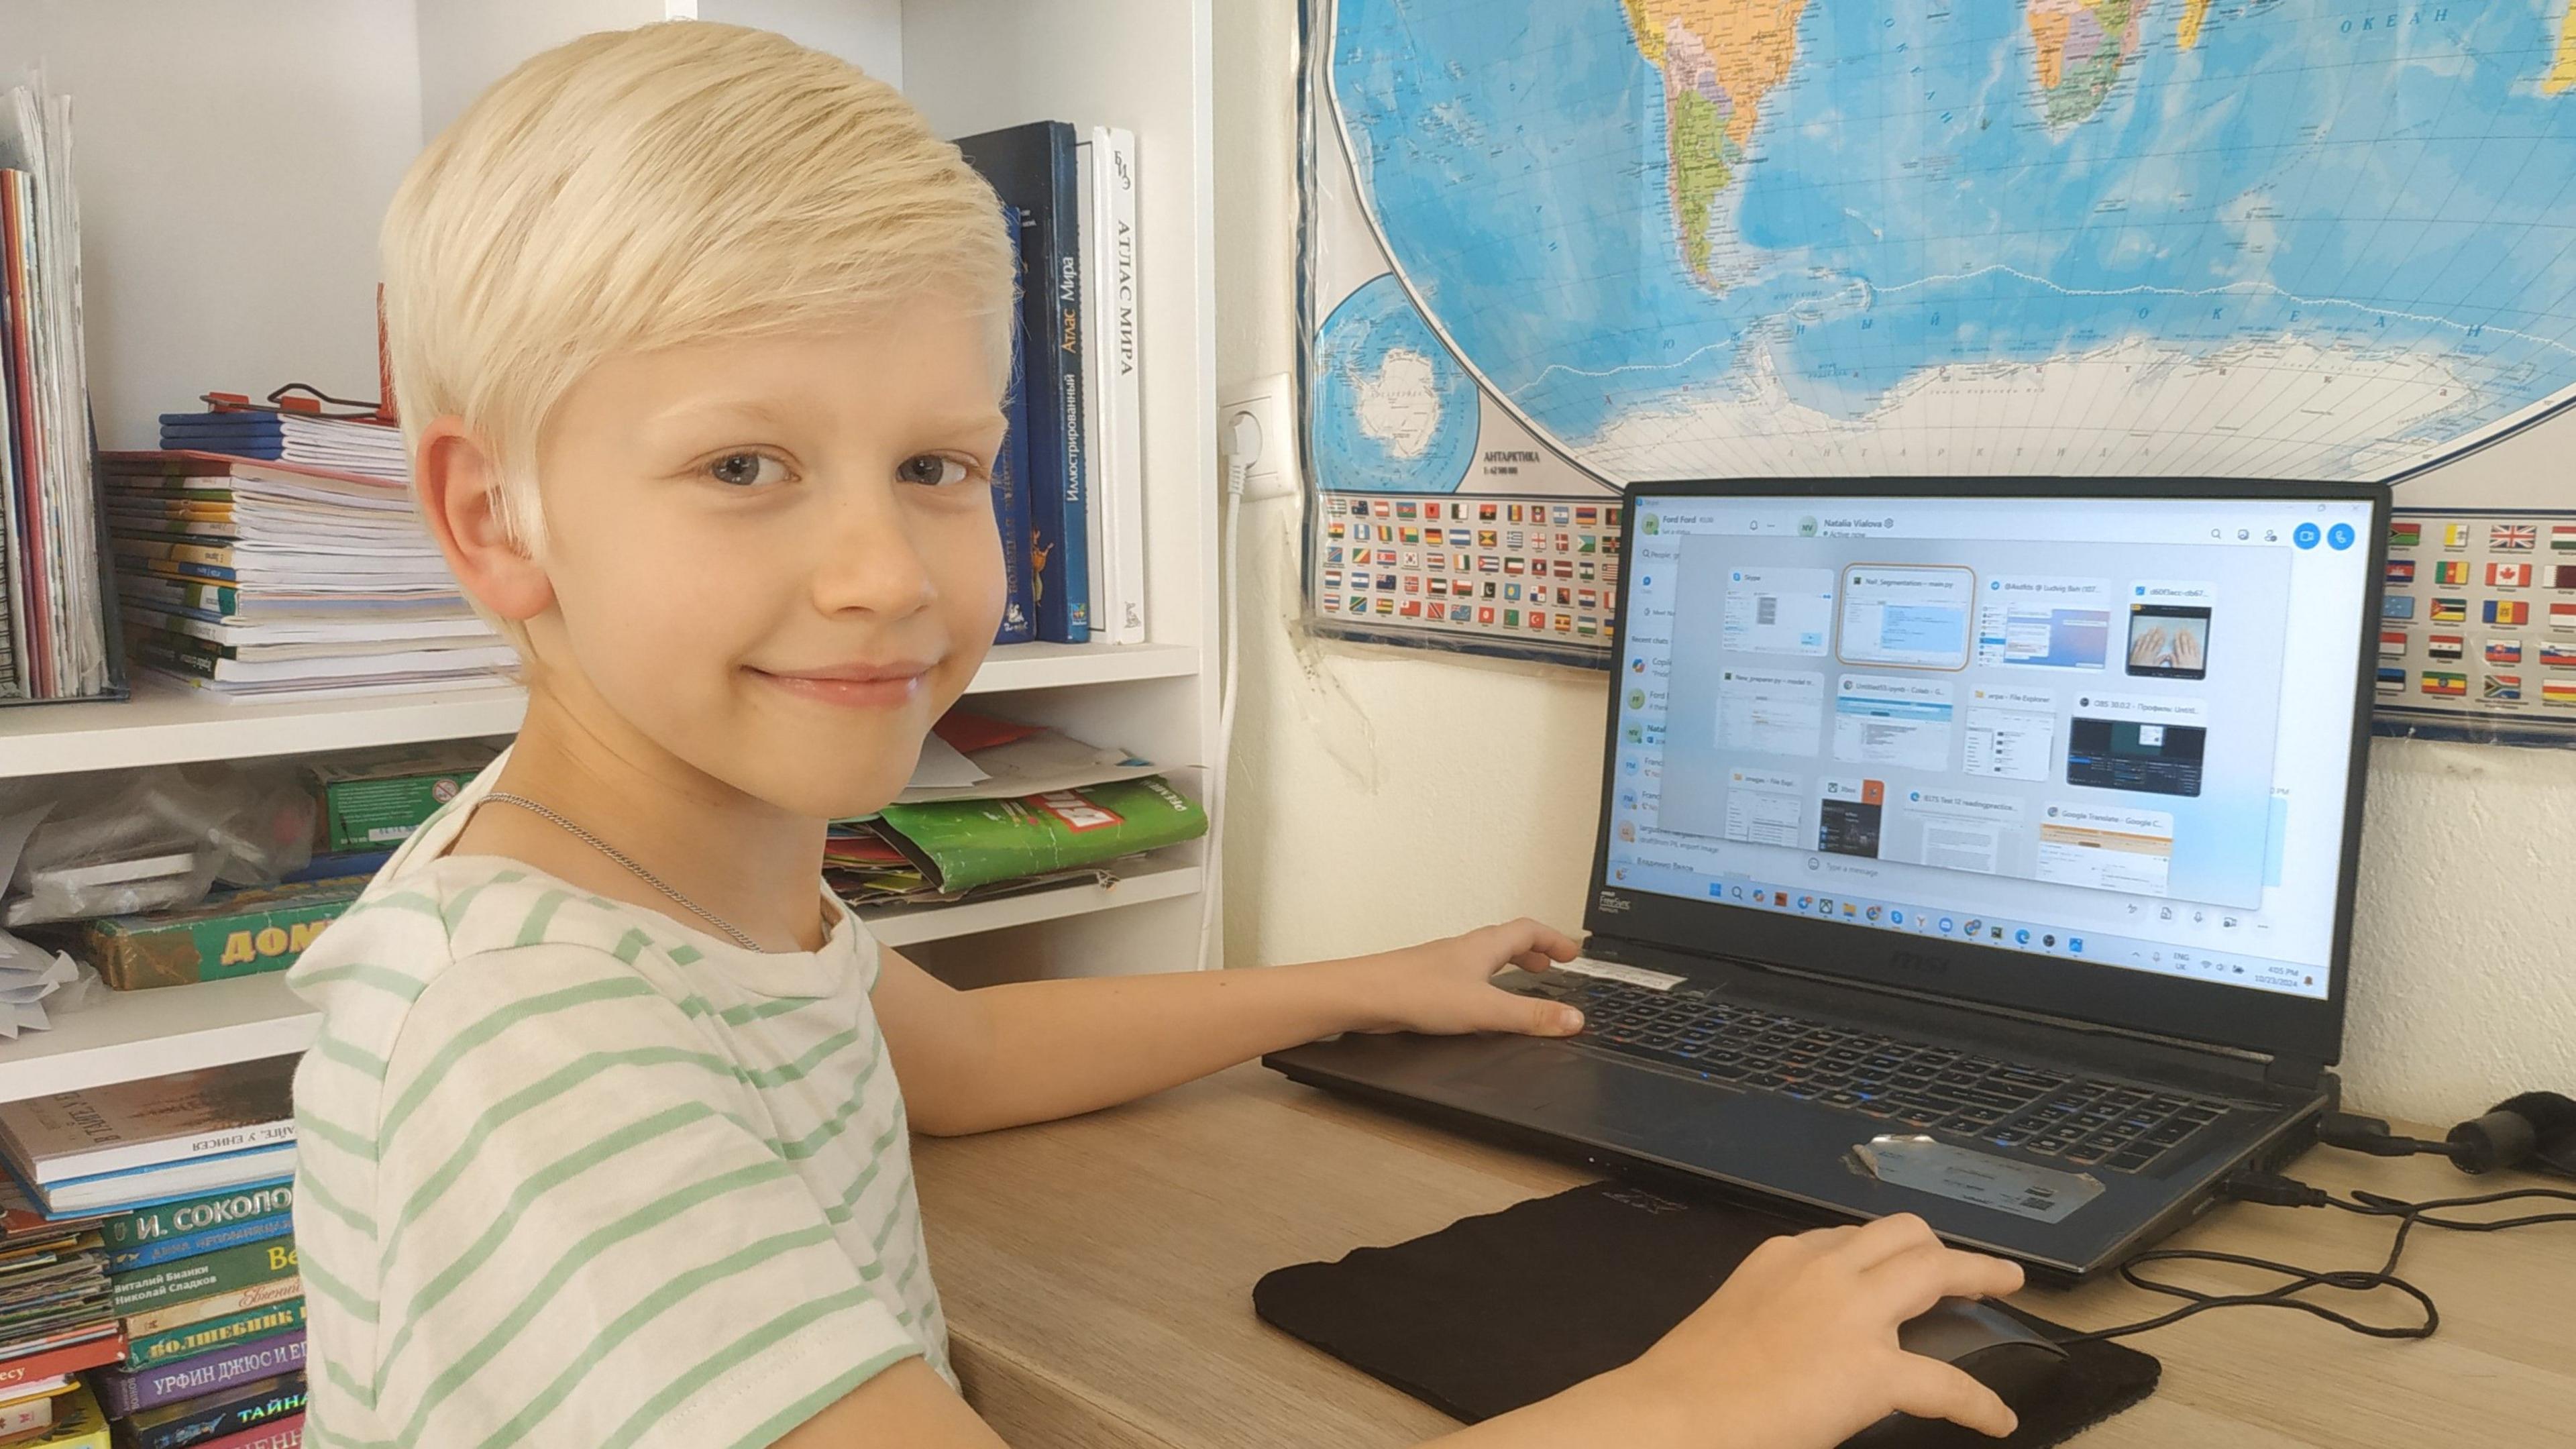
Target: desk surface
1098, 1279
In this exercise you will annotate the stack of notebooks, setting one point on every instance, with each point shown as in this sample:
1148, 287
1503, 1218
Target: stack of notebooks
340, 445
153, 1248
53, 607
281, 581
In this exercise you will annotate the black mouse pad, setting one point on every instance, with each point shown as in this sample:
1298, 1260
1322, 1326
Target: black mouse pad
1494, 1312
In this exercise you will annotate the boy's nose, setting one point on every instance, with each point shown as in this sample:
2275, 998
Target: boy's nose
868, 559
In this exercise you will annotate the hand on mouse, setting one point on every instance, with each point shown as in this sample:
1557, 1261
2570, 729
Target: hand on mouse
1798, 1349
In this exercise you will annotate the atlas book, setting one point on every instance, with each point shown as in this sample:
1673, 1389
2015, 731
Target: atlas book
1032, 168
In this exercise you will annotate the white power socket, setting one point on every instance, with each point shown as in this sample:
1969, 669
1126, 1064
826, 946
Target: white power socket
1272, 403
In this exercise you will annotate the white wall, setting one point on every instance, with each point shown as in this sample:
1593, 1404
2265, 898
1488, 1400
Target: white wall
195, 124
1383, 795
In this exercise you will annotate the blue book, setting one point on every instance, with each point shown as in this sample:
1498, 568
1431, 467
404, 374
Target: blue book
1011, 491
1032, 168
200, 1242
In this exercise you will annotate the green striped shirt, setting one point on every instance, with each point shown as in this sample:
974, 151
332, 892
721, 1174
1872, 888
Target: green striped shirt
570, 1172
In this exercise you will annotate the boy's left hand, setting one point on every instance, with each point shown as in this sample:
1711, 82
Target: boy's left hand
1444, 988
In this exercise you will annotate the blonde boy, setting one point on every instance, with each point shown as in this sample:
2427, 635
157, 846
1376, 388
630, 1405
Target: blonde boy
699, 340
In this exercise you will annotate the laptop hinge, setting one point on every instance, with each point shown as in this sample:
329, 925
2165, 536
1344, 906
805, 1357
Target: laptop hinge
2301, 1074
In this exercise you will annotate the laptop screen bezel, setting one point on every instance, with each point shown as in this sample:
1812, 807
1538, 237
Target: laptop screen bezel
2122, 998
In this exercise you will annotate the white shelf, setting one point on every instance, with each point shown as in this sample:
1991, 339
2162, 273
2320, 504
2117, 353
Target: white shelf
1055, 666
167, 722
1139, 882
126, 1035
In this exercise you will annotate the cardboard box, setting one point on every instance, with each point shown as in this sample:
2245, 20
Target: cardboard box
376, 800
231, 933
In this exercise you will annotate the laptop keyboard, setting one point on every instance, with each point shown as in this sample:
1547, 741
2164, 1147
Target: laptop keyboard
2082, 1121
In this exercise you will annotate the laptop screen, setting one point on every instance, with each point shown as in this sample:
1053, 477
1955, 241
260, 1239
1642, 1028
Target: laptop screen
2115, 730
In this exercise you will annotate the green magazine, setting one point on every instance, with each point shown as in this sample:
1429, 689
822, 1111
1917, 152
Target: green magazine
961, 844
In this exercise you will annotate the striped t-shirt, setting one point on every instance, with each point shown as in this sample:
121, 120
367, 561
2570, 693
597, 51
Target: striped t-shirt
570, 1172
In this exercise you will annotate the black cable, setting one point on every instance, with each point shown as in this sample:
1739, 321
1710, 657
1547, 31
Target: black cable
2271, 1189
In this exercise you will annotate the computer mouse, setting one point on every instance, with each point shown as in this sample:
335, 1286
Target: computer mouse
1984, 1342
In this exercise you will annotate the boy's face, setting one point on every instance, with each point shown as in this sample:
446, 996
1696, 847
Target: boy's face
775, 558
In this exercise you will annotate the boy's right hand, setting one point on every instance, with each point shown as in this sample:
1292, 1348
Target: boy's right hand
1798, 1349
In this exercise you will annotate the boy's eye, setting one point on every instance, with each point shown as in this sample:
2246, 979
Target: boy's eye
931, 470
745, 470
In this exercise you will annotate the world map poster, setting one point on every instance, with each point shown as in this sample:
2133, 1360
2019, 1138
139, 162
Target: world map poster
1554, 246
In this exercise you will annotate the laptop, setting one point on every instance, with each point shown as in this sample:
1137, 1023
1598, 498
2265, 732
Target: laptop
1975, 848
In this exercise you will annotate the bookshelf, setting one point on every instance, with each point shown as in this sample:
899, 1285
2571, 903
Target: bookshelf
132, 1034
269, 277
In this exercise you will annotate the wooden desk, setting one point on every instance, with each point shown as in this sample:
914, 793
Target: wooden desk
1098, 1277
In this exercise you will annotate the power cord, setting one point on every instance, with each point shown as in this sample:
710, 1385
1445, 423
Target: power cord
2274, 1190
1242, 450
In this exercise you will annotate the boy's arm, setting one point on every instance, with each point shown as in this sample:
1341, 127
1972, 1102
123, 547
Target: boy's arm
1001, 1056
1796, 1351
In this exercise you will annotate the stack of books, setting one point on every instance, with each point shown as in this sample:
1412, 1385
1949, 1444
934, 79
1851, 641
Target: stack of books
53, 607
281, 581
57, 1315
179, 1191
341, 445
1069, 488
211, 1309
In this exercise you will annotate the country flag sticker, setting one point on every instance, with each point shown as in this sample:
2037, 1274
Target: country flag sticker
2455, 535
2558, 691
2504, 651
2562, 616
2451, 573
2392, 680
2562, 576
2397, 606
2450, 611
2445, 647
2558, 656
2401, 571
2502, 688
2453, 686
2409, 535
2392, 643
2562, 537
2508, 576
2513, 537
2511, 613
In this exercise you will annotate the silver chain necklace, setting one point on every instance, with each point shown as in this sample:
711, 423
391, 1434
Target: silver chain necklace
498, 797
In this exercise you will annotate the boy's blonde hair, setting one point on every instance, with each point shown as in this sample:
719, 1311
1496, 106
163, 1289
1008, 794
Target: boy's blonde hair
640, 189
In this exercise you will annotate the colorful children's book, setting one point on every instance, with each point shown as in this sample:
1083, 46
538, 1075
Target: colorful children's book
961, 844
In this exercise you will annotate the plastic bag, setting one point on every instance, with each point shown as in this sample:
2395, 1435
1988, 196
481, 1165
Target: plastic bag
157, 838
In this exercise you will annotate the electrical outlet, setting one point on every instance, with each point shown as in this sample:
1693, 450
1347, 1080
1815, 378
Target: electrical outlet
1272, 403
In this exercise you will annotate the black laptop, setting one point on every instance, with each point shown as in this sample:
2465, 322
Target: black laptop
1977, 848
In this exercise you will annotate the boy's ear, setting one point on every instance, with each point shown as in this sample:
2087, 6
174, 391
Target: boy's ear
461, 498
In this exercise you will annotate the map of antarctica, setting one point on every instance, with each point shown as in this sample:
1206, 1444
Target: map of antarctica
1554, 245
